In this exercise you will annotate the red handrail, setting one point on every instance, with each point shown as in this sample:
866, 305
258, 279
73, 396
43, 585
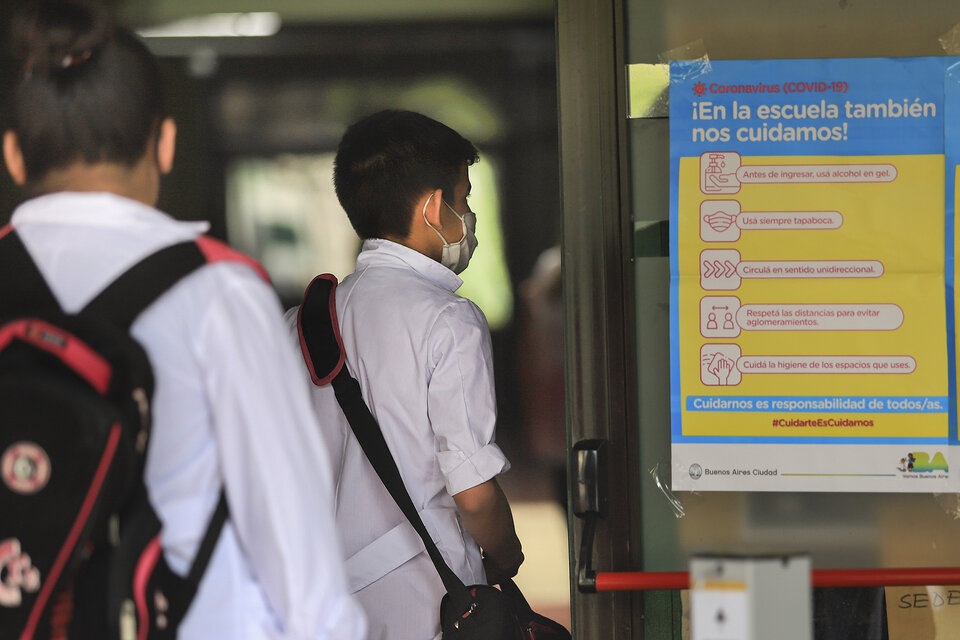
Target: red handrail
647, 580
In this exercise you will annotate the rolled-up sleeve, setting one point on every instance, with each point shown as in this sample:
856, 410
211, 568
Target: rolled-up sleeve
462, 399
275, 468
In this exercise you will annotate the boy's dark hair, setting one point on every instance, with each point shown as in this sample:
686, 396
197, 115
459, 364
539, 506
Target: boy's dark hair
387, 161
89, 91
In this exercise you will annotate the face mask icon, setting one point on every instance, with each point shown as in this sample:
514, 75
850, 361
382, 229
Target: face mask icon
720, 221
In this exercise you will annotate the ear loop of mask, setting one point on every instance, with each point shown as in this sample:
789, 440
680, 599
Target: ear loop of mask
435, 230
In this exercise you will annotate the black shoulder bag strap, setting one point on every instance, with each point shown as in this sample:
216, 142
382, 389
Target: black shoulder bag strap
324, 354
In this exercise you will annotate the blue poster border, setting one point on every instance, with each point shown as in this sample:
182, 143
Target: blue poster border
951, 129
684, 76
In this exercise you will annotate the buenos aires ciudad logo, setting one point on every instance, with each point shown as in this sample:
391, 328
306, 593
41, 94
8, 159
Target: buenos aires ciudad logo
921, 462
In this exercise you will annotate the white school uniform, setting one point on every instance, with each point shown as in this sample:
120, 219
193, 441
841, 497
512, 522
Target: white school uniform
422, 356
229, 410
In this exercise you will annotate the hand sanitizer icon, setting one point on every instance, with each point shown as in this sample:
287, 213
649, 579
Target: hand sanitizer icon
718, 172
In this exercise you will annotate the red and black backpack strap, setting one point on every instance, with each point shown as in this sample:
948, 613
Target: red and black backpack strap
214, 250
138, 287
143, 283
160, 598
142, 591
22, 286
142, 586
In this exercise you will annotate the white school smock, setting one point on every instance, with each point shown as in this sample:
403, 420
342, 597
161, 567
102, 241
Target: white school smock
423, 359
229, 409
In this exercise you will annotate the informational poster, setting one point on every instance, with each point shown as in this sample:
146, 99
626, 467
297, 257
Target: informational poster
812, 264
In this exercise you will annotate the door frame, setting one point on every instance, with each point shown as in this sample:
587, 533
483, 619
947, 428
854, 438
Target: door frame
598, 293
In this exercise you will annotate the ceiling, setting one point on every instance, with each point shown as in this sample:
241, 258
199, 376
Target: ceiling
143, 13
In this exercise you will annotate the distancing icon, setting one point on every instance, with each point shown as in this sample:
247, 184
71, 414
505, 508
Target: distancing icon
718, 316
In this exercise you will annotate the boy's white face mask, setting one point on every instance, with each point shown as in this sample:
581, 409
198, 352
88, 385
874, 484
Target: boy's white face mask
456, 255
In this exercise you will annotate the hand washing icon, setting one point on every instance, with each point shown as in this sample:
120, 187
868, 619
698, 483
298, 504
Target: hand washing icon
718, 365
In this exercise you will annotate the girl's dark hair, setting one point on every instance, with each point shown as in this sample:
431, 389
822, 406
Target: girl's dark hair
89, 91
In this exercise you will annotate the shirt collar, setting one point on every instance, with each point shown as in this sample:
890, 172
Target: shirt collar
96, 209
380, 252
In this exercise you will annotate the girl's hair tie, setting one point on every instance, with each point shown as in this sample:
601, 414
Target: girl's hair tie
75, 59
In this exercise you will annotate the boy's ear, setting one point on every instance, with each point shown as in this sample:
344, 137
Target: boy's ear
430, 208
13, 156
166, 145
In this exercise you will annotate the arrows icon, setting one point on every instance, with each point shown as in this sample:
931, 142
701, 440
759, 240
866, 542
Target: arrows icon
718, 269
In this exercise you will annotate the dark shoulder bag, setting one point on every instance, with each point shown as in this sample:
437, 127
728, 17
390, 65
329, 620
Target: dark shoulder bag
477, 612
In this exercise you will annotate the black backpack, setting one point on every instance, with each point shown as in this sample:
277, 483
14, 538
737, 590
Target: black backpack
80, 552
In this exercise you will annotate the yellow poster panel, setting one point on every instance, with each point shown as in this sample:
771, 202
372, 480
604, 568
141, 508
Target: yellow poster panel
812, 277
